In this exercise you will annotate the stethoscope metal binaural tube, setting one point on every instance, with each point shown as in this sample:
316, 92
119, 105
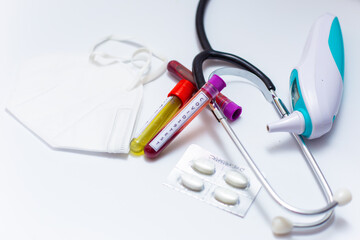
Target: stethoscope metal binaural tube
331, 204
267, 186
309, 157
271, 96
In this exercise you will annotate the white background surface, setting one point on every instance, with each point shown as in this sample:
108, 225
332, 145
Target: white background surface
49, 194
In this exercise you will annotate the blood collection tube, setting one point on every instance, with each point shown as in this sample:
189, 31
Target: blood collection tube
177, 97
183, 117
230, 109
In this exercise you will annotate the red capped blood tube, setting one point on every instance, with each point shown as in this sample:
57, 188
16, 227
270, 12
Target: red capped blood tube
182, 118
231, 110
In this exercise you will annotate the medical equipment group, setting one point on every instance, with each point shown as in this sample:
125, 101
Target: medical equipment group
91, 104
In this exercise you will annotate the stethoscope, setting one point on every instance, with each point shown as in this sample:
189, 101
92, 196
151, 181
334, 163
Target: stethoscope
280, 225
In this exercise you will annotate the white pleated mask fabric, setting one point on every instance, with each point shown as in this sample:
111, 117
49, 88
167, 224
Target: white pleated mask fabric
73, 103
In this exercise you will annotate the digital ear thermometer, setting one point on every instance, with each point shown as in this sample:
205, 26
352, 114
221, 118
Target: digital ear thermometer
316, 84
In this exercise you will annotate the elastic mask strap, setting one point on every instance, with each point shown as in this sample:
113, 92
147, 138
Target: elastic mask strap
140, 59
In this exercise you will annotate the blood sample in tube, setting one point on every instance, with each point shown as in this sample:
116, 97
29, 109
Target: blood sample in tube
177, 97
182, 118
230, 109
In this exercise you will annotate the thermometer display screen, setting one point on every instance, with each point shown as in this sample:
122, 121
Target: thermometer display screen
294, 93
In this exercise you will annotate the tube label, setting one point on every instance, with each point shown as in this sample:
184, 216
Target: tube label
153, 116
178, 121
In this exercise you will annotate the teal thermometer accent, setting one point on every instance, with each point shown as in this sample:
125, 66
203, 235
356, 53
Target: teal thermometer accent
316, 84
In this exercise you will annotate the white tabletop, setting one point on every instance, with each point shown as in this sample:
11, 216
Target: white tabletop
52, 194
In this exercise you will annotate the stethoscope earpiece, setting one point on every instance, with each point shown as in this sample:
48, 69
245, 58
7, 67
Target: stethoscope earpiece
342, 196
281, 225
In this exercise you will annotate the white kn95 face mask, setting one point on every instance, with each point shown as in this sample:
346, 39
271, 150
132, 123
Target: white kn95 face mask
73, 103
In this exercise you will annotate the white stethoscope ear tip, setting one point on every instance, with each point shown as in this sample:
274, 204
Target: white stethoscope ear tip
281, 226
342, 196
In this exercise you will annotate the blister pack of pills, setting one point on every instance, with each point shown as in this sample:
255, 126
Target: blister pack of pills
214, 180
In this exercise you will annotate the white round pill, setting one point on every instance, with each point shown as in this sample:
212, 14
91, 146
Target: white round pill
203, 166
192, 182
236, 179
226, 196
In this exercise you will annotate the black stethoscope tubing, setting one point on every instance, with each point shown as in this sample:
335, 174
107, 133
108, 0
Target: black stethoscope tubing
210, 53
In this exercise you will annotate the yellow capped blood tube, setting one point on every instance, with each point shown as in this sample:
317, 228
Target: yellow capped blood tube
178, 96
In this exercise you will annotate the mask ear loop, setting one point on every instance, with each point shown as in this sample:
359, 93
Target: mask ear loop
143, 69
144, 74
151, 75
97, 57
